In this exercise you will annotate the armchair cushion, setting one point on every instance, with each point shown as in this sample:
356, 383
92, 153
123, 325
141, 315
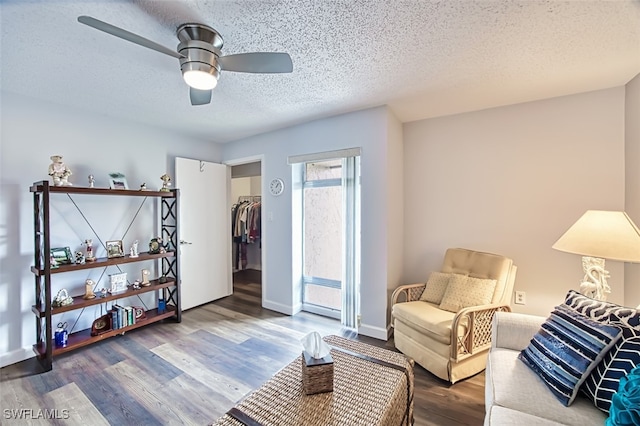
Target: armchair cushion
426, 318
436, 286
565, 350
483, 265
464, 291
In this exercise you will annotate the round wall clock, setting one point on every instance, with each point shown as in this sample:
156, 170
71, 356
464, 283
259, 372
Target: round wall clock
276, 186
154, 245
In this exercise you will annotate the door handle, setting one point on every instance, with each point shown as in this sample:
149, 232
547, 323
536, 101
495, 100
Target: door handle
183, 242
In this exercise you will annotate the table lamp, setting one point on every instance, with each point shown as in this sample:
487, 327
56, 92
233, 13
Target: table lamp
600, 235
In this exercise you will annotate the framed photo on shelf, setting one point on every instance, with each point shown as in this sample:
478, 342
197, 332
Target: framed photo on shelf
117, 181
115, 249
61, 256
118, 282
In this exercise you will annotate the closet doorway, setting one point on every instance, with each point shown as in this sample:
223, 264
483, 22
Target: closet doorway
246, 227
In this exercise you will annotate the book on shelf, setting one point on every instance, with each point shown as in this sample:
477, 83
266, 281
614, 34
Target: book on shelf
123, 316
129, 311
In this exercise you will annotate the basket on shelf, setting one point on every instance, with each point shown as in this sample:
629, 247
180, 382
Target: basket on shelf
62, 299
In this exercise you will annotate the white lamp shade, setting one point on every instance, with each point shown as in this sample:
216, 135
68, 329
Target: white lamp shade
605, 234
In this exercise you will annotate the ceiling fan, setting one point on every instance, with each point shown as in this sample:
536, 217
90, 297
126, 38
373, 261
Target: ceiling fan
200, 57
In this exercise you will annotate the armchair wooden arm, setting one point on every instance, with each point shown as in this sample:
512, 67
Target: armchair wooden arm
411, 292
477, 337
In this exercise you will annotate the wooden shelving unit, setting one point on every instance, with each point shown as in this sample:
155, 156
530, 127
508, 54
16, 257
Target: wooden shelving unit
44, 347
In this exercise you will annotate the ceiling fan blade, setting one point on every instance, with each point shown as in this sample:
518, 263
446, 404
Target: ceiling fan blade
257, 62
199, 97
126, 35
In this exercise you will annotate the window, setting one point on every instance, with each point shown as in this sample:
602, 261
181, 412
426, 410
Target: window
330, 246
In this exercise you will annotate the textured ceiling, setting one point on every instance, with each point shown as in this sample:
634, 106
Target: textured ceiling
423, 58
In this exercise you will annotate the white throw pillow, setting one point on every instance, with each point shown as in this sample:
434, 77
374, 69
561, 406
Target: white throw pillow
436, 286
464, 291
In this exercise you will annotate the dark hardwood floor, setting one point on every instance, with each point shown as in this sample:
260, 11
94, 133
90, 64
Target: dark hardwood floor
193, 372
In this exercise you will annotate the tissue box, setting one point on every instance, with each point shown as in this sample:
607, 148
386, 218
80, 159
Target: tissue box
317, 374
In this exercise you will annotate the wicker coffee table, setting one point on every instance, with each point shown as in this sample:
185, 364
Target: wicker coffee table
372, 386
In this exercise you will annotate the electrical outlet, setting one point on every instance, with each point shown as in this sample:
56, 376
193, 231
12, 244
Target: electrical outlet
521, 298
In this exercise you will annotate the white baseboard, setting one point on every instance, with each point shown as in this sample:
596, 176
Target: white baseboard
16, 356
375, 332
279, 307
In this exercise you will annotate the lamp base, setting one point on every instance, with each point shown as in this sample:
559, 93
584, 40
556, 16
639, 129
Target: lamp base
594, 284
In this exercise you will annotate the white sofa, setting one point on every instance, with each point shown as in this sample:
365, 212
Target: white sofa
514, 395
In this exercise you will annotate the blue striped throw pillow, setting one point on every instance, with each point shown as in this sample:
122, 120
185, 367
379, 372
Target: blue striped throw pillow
565, 350
603, 381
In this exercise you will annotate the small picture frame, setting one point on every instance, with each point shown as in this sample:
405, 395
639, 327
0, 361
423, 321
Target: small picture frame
118, 282
118, 181
61, 256
115, 249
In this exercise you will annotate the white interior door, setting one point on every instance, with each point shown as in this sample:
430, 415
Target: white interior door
205, 231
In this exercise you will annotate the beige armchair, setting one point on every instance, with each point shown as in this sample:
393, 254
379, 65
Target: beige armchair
438, 327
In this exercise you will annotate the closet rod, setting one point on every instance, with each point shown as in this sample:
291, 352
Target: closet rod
252, 198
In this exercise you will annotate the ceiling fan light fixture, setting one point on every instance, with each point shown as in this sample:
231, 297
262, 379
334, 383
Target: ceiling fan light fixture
204, 77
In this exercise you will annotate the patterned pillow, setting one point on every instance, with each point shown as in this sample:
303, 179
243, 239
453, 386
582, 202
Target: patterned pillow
464, 291
565, 350
602, 383
436, 286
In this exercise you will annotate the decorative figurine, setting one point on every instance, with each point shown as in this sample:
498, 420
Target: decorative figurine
53, 261
80, 258
133, 252
166, 182
59, 171
143, 187
91, 181
145, 278
136, 285
103, 292
88, 289
89, 257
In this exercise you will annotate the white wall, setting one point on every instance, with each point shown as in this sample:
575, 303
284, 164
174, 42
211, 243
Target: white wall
511, 180
366, 129
395, 206
31, 132
632, 181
